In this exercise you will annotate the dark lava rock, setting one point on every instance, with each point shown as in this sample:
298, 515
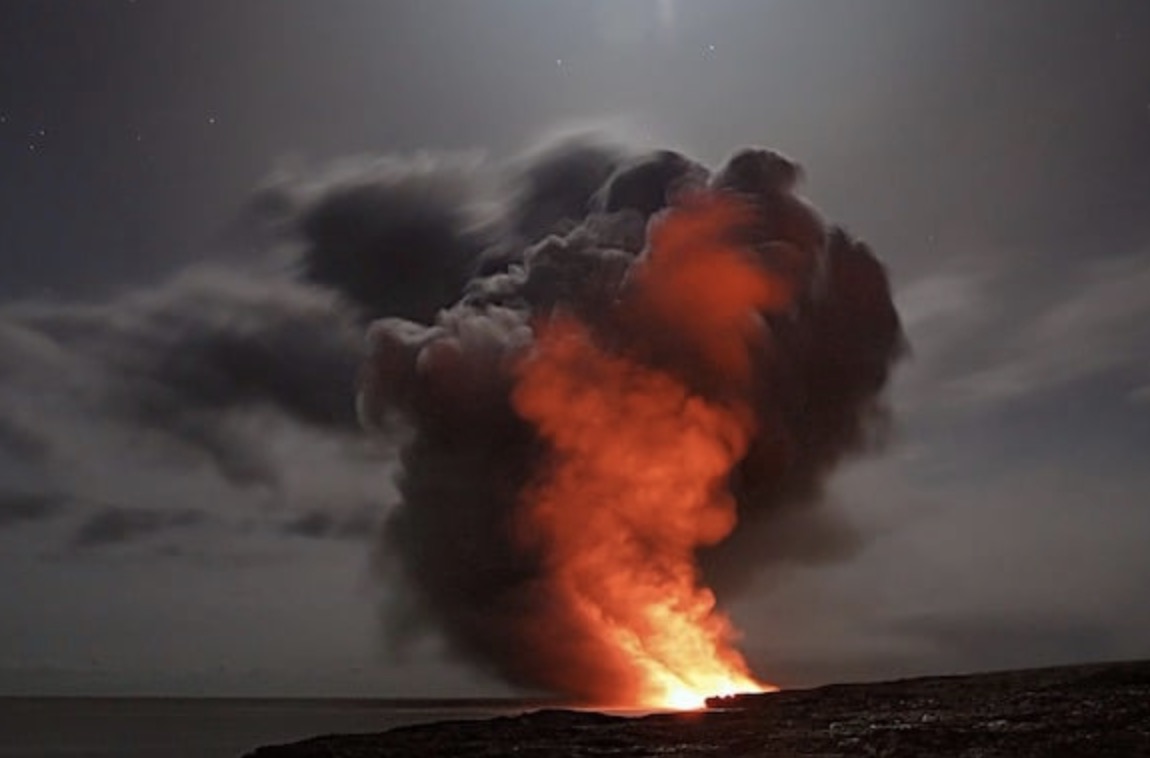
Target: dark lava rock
1098, 710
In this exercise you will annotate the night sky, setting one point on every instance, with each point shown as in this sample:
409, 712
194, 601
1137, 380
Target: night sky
167, 530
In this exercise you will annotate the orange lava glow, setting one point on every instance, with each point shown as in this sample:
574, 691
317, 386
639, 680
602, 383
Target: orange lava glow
640, 460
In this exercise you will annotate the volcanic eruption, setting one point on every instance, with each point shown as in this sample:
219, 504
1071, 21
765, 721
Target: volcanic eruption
650, 365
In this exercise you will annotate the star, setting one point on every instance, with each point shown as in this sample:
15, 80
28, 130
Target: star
211, 119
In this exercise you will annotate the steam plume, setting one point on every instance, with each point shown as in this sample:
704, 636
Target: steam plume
600, 290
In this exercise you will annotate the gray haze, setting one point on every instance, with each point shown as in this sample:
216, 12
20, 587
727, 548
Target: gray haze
181, 474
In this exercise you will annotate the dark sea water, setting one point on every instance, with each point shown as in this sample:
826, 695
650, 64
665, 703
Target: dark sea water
206, 728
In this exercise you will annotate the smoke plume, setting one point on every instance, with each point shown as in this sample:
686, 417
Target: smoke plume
652, 367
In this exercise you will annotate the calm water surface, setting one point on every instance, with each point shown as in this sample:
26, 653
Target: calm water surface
206, 728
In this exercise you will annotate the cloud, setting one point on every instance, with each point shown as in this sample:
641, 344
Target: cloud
114, 525
24, 507
215, 390
1103, 325
20, 440
324, 524
992, 331
181, 360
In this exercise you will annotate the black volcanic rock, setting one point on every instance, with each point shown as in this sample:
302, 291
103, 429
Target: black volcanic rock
1098, 710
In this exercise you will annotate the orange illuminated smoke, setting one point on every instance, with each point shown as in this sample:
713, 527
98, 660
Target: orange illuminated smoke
639, 461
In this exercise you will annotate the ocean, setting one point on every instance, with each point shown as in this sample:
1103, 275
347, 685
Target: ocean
207, 727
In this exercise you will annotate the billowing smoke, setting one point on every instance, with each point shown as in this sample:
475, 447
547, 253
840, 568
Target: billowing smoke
781, 359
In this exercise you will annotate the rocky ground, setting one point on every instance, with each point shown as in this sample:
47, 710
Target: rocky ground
1098, 710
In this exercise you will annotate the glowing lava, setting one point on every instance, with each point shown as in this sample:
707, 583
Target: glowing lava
639, 459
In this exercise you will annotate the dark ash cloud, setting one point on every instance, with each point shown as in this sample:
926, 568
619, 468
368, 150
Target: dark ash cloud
395, 237
553, 187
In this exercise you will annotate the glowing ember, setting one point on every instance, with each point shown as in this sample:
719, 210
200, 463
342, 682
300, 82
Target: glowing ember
640, 458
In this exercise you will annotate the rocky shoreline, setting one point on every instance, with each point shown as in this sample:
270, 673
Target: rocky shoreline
1098, 710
